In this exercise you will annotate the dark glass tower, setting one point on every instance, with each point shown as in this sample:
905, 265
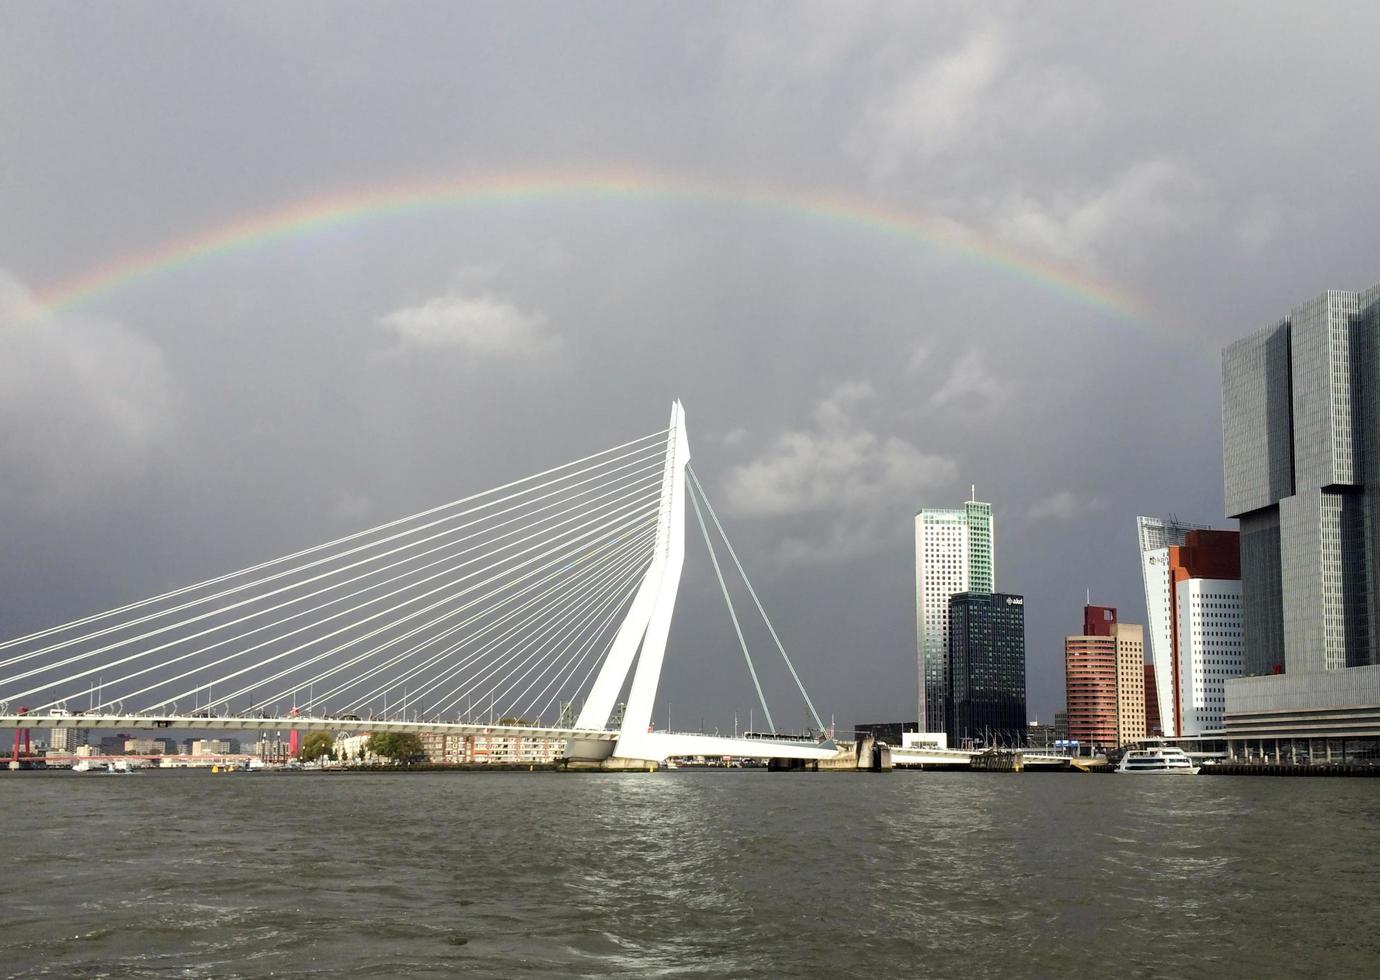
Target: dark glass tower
986, 669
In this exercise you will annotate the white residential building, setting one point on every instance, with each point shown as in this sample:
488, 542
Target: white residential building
953, 553
1211, 650
1193, 601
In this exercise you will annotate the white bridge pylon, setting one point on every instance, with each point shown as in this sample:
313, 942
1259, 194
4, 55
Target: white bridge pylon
643, 635
644, 630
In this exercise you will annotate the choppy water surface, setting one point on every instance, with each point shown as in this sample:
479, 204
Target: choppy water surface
688, 874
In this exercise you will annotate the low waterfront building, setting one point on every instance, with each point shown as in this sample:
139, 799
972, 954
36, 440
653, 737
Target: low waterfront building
502, 749
1038, 736
890, 732
273, 749
444, 747
354, 747
490, 748
213, 746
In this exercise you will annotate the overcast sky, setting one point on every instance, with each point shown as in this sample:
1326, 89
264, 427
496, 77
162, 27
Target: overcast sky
1217, 161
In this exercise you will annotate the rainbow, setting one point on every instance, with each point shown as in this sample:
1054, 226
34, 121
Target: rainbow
350, 207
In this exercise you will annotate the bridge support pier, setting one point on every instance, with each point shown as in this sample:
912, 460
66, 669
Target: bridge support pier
593, 755
294, 738
866, 755
22, 746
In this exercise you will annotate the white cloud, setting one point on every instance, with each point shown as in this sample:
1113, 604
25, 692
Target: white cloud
85, 404
733, 438
933, 108
939, 131
841, 470
919, 360
970, 385
1064, 506
483, 325
775, 46
1144, 202
982, 99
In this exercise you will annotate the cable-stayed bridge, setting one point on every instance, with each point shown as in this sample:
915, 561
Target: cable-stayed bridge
540, 607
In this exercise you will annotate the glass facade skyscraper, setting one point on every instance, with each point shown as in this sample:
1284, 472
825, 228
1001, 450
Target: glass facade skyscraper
954, 552
985, 700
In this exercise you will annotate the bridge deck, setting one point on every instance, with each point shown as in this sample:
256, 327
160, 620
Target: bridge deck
301, 723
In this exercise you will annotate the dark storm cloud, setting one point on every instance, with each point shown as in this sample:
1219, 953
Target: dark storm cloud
1217, 162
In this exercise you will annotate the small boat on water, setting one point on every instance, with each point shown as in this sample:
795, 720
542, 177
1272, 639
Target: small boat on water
1163, 761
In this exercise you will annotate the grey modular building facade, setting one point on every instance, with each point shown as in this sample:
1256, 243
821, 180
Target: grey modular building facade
1301, 469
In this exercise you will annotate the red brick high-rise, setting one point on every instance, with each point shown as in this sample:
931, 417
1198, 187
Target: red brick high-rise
1104, 678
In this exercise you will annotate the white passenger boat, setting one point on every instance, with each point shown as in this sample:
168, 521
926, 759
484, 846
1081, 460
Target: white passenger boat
1166, 760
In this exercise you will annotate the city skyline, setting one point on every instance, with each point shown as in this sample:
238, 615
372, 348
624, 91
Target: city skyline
772, 224
1023, 372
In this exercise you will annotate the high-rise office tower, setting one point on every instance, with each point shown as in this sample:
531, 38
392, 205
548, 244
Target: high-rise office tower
1301, 441
953, 553
1192, 581
986, 669
1298, 411
1104, 679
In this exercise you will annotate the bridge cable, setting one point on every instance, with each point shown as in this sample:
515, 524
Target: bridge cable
469, 685
612, 565
349, 626
558, 572
494, 592
404, 619
607, 594
562, 679
119, 662
723, 586
654, 465
695, 481
560, 569
7, 644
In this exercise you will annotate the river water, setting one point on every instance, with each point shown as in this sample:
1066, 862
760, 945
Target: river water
689, 873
